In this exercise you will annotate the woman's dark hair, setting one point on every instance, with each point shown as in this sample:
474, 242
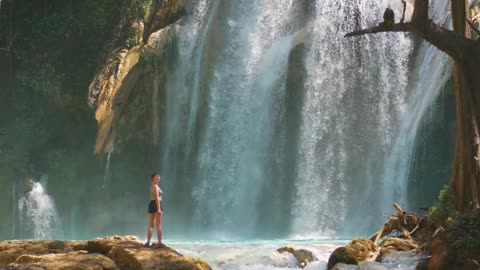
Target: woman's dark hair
154, 174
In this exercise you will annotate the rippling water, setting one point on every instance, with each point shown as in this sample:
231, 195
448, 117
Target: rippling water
262, 255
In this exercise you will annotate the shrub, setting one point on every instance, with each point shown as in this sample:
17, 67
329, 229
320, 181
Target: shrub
443, 213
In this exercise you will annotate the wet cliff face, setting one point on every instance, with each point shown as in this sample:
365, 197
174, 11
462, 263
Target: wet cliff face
139, 67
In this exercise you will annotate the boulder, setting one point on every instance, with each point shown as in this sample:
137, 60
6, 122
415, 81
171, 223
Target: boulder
11, 250
394, 244
347, 255
133, 258
72, 260
302, 256
359, 250
367, 243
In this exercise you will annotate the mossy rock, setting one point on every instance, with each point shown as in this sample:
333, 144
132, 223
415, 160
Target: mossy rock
349, 254
77, 245
72, 260
302, 256
144, 258
11, 250
105, 244
365, 242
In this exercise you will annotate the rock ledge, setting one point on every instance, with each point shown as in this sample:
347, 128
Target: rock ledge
114, 252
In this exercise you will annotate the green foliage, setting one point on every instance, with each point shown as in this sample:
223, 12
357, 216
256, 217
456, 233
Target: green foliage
97, 17
44, 80
443, 213
132, 39
466, 232
135, 9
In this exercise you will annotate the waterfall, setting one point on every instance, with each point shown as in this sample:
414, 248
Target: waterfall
106, 174
432, 70
227, 132
240, 81
38, 213
354, 101
14, 209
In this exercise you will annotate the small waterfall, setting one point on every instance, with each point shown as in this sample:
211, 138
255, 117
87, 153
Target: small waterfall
432, 70
38, 213
14, 209
106, 174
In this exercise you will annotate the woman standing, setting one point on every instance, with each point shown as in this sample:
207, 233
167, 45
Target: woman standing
155, 210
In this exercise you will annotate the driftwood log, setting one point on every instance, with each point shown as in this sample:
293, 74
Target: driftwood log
400, 221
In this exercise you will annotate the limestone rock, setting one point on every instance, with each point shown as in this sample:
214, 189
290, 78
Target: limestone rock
346, 255
11, 250
365, 242
105, 244
77, 245
359, 250
72, 260
114, 252
303, 256
131, 258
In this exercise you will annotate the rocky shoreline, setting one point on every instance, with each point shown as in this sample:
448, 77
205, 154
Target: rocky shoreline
433, 245
109, 253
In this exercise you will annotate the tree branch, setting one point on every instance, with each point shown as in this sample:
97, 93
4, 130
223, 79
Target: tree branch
446, 40
399, 27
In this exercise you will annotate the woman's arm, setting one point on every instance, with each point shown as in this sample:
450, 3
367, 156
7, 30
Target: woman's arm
157, 198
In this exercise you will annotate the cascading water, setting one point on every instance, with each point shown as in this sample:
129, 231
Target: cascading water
432, 70
240, 82
106, 174
14, 209
38, 214
353, 104
231, 160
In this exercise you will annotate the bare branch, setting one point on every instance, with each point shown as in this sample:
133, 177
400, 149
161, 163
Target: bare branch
446, 40
399, 27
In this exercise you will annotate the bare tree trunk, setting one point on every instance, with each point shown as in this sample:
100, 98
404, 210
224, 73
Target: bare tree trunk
465, 167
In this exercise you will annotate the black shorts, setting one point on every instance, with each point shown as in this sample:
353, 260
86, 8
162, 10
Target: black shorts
152, 207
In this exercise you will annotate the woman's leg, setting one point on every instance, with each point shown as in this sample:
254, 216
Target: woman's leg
151, 219
158, 224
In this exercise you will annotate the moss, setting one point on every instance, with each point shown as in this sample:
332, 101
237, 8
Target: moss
466, 232
131, 40
136, 9
443, 213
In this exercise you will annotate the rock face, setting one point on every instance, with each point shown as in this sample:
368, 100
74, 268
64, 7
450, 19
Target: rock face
127, 70
359, 250
11, 250
102, 253
130, 258
303, 256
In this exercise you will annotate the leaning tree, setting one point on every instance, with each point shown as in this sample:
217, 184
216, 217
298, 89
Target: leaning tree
465, 51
